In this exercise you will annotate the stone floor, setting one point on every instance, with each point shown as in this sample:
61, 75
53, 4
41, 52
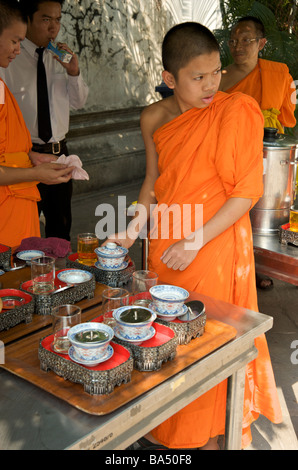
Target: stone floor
281, 303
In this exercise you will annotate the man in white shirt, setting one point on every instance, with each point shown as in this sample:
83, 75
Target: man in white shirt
65, 89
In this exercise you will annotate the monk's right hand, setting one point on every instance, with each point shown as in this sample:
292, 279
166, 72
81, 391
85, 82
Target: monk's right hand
121, 239
52, 173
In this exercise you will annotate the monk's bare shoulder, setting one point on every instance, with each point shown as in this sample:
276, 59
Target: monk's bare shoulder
157, 114
2, 92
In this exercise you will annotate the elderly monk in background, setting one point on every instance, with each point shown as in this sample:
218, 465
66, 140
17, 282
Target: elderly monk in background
268, 82
204, 147
20, 168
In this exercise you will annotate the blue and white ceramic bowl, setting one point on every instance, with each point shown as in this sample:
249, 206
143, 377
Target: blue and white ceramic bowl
169, 317
168, 299
138, 328
92, 361
28, 255
111, 255
90, 351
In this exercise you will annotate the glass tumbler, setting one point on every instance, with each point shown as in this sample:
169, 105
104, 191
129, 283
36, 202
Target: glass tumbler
141, 282
64, 317
43, 274
87, 242
113, 298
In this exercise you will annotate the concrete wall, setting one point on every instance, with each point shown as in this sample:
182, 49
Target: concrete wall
118, 43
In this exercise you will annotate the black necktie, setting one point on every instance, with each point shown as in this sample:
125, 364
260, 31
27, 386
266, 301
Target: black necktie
43, 108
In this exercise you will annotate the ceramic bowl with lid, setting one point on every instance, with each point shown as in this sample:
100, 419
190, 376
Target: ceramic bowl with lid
111, 255
133, 322
90, 340
168, 300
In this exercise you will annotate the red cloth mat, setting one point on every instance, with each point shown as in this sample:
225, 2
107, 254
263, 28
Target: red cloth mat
4, 248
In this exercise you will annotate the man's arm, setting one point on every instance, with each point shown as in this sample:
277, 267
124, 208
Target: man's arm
77, 88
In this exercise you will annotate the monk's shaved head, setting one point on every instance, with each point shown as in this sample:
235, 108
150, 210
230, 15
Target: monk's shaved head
259, 26
184, 42
9, 12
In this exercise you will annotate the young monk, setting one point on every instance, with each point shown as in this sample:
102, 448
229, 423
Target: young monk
268, 82
20, 168
205, 147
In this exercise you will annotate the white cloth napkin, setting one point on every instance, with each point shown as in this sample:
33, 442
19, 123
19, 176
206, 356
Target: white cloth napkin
73, 160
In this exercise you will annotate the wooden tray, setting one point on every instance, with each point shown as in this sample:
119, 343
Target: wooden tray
21, 359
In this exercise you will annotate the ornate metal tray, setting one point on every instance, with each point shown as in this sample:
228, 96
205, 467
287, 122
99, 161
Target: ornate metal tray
18, 314
5, 254
185, 330
99, 380
151, 354
188, 330
72, 294
109, 278
287, 236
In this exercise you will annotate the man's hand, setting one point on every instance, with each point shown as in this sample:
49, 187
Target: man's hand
39, 158
52, 173
72, 68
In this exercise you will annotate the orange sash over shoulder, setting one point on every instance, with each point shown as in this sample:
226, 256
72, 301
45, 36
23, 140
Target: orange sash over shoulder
19, 215
272, 86
207, 156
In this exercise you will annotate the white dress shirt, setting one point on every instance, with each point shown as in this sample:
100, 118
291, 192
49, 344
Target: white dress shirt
65, 91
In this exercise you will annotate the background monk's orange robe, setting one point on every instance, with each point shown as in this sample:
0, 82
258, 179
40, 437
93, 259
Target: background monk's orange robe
271, 85
18, 209
207, 156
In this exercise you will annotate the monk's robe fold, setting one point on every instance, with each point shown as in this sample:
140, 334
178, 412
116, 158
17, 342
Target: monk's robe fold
272, 86
207, 156
18, 209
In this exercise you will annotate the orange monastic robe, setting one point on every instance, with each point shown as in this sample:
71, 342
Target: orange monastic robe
272, 86
207, 156
18, 209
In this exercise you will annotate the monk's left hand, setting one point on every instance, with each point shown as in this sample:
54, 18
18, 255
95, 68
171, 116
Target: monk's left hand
178, 256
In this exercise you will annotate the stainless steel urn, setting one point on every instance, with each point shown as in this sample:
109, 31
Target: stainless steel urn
280, 163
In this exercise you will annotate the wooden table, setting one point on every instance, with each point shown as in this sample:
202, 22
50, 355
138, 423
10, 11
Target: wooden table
276, 260
32, 418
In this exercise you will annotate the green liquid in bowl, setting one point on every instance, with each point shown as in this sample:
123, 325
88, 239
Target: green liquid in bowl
91, 336
135, 315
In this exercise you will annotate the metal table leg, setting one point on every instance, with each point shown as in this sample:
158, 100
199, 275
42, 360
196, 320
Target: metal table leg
234, 411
